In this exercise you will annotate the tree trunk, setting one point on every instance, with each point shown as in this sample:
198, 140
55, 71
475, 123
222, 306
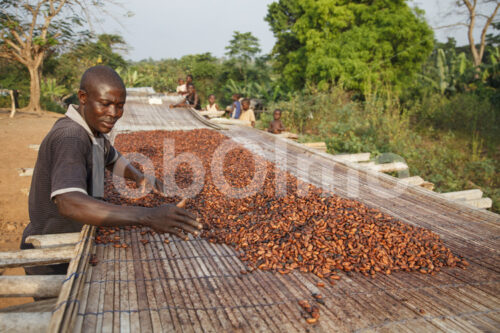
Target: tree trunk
35, 91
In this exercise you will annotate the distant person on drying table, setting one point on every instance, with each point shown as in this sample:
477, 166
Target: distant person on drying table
192, 100
68, 180
181, 88
276, 126
247, 114
212, 106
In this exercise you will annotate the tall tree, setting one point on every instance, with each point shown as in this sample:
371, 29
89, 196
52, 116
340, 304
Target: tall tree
479, 9
359, 43
242, 49
30, 28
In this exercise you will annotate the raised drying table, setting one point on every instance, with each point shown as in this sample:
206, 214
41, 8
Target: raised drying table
197, 286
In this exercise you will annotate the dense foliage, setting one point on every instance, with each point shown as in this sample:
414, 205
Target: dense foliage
362, 75
359, 44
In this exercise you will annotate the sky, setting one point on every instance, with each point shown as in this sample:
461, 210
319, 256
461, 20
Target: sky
162, 29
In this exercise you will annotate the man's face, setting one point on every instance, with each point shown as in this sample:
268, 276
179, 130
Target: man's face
245, 105
102, 106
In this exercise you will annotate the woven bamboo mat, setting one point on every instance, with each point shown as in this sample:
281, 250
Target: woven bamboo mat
197, 286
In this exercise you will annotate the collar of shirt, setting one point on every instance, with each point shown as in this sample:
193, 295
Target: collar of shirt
74, 115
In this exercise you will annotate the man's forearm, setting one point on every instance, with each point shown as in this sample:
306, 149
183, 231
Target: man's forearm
87, 210
123, 168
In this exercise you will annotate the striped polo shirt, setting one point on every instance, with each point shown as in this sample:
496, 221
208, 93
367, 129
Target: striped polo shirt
70, 159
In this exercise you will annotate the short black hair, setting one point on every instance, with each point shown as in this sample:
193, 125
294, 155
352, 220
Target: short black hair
277, 110
245, 100
190, 85
189, 75
100, 73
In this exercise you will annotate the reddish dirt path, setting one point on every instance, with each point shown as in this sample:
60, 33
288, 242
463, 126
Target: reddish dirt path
15, 136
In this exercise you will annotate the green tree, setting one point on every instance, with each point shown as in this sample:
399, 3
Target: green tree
30, 29
242, 50
359, 44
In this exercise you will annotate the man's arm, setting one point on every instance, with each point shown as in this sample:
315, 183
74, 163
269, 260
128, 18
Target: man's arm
196, 100
87, 210
179, 105
123, 168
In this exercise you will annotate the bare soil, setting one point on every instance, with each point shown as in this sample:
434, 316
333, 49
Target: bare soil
15, 137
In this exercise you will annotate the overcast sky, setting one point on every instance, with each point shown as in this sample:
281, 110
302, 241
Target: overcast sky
170, 29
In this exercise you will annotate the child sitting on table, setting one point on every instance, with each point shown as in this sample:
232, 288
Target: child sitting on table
212, 106
191, 100
247, 113
181, 88
276, 126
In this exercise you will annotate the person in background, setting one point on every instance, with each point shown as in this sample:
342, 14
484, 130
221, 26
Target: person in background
189, 79
247, 113
276, 126
236, 106
191, 100
181, 88
212, 106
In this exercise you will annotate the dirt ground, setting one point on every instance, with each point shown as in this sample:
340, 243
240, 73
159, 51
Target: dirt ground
15, 137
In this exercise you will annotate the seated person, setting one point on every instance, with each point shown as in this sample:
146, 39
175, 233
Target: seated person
191, 100
247, 113
276, 126
189, 79
212, 106
236, 106
181, 88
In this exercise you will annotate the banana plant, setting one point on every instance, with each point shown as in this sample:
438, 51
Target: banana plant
52, 90
131, 78
448, 71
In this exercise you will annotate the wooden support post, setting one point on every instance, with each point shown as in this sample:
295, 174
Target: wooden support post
31, 286
385, 167
37, 257
25, 172
482, 203
464, 195
25, 321
359, 157
415, 180
13, 104
53, 240
418, 181
321, 146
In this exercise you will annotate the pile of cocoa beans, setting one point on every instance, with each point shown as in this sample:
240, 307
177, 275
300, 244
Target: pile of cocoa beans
317, 232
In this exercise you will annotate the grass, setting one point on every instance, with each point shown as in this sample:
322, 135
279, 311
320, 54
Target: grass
454, 154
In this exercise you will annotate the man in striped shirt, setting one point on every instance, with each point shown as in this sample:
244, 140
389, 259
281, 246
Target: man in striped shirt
68, 180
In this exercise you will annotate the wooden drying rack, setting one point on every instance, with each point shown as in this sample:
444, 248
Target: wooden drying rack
48, 250
411, 293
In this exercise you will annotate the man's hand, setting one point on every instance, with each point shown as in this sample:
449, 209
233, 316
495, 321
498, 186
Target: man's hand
173, 220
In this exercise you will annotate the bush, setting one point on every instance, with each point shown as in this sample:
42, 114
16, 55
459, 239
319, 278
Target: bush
450, 152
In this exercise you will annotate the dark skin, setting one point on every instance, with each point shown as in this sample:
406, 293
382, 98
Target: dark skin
276, 126
245, 105
184, 104
101, 106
